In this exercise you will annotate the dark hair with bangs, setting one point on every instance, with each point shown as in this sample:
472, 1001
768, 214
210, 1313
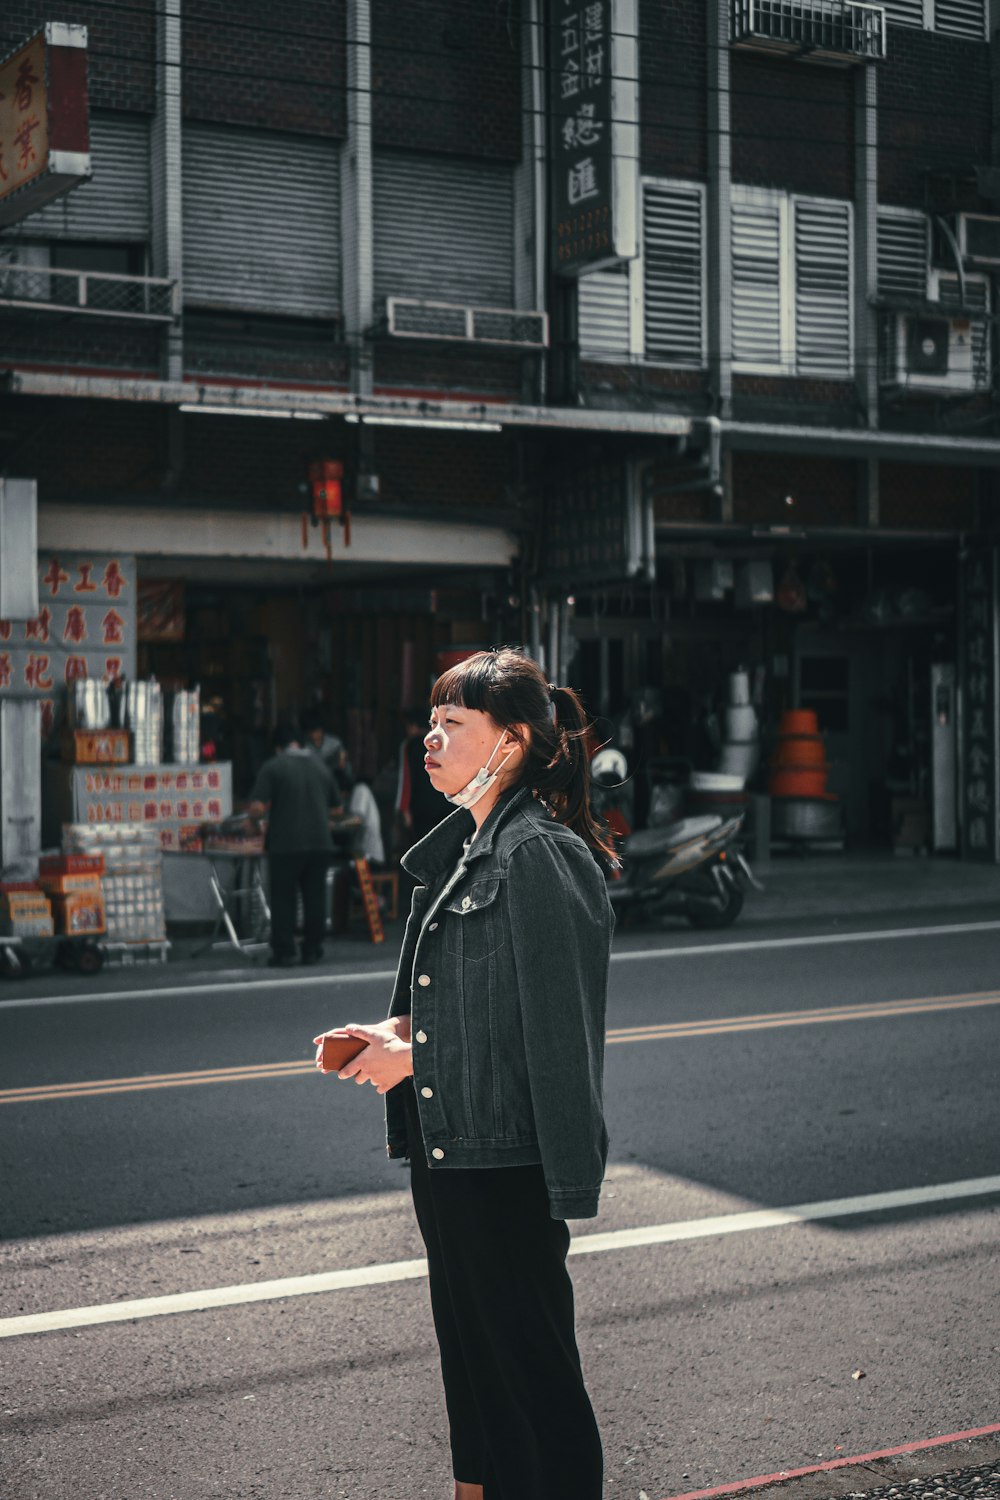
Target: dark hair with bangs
511, 687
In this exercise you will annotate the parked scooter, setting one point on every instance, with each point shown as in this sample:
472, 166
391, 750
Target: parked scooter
691, 867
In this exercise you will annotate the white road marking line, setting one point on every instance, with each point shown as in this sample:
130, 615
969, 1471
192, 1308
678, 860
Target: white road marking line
826, 939
408, 1270
697, 950
191, 991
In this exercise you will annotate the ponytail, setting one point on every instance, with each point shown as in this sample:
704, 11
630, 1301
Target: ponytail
563, 779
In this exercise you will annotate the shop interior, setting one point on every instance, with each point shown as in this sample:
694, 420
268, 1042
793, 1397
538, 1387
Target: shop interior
863, 637
270, 650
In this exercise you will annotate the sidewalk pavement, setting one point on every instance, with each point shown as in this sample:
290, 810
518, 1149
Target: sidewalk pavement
821, 892
829, 889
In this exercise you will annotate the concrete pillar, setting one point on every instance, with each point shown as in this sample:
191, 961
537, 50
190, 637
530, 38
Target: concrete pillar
866, 240
720, 288
357, 240
165, 175
20, 718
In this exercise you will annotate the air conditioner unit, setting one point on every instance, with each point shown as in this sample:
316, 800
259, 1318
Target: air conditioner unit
939, 351
977, 237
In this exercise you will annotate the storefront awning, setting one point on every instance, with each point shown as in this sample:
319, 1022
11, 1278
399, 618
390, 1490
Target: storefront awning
266, 538
413, 411
848, 442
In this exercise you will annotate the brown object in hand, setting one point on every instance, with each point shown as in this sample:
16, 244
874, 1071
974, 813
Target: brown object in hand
339, 1050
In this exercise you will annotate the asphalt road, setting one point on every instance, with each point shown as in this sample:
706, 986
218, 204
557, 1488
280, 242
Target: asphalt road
739, 1078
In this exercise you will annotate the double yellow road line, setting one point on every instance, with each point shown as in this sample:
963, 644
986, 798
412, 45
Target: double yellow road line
667, 1031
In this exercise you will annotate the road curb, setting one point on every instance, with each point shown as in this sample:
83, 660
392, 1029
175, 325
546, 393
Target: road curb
936, 1459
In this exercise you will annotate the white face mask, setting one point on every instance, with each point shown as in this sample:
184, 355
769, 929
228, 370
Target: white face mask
481, 782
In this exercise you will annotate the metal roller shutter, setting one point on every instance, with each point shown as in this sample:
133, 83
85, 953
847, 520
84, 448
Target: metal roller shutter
261, 221
444, 230
114, 204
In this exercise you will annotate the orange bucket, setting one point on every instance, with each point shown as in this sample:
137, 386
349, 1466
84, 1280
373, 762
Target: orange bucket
799, 721
799, 753
798, 784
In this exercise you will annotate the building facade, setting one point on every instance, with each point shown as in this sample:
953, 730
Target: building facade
765, 439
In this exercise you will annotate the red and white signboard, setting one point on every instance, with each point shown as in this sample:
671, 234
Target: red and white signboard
44, 120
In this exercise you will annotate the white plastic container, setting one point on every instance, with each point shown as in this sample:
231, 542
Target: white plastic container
741, 722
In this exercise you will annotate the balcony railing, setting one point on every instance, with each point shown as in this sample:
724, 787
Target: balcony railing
833, 31
104, 294
412, 318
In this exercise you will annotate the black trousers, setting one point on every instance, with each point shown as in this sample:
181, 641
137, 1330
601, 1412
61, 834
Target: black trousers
289, 874
521, 1421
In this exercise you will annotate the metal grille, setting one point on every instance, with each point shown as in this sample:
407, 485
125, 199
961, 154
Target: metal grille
603, 314
902, 256
757, 284
409, 317
672, 260
822, 286
147, 299
977, 296
834, 28
261, 221
961, 18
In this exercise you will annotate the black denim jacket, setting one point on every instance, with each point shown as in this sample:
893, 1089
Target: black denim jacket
504, 972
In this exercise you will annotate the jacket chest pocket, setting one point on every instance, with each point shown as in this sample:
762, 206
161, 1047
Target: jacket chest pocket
473, 927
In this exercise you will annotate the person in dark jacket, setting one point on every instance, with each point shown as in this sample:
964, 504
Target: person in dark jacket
491, 1062
296, 791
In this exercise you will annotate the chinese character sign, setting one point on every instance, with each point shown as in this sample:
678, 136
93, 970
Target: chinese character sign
593, 105
24, 124
44, 129
980, 740
85, 626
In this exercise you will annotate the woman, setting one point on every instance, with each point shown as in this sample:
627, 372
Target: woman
492, 1063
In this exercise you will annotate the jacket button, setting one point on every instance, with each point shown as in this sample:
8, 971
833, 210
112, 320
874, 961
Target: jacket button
427, 1093
466, 902
424, 980
438, 1154
421, 1036
433, 927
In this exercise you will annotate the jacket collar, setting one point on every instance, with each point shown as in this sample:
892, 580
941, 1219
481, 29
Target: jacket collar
440, 849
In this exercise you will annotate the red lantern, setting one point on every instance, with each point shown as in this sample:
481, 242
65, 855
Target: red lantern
327, 491
325, 483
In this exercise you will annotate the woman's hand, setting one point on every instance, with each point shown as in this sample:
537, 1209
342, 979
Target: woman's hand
386, 1060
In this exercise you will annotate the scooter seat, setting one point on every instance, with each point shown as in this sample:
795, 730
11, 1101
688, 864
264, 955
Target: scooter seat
653, 841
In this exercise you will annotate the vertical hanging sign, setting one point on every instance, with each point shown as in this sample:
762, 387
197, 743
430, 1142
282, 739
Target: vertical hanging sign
979, 652
593, 93
44, 121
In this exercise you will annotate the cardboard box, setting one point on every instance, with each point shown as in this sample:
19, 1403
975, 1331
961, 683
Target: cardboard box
79, 912
25, 913
96, 747
64, 885
71, 864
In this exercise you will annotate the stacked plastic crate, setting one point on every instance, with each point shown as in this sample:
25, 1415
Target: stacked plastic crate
135, 924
